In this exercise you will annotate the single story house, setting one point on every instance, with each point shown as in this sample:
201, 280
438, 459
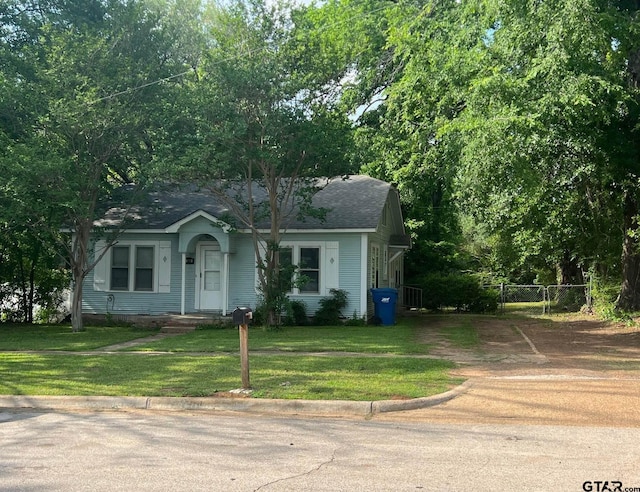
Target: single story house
179, 254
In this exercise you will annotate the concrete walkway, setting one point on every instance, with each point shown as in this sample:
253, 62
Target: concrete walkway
137, 342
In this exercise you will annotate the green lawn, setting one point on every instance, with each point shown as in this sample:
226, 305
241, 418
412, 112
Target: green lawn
399, 339
461, 333
180, 373
61, 337
349, 378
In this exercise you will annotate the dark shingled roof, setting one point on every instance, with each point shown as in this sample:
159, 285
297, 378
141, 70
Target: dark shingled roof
354, 202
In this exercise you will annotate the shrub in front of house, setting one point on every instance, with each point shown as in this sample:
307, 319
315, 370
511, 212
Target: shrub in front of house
330, 312
458, 291
296, 313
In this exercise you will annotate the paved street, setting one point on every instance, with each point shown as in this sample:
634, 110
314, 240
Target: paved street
166, 452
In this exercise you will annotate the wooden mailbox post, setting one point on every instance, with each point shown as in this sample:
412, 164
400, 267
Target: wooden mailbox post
241, 317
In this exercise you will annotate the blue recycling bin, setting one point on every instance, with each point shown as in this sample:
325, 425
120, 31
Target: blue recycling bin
384, 303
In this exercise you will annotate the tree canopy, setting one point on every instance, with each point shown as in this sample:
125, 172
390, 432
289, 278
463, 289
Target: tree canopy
260, 120
511, 127
512, 124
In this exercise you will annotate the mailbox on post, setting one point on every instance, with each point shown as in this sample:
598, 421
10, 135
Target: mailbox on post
242, 315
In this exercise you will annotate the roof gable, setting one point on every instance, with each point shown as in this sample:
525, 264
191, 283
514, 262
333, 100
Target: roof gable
198, 213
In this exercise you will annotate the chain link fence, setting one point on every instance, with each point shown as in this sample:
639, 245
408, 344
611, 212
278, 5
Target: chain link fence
538, 300
529, 300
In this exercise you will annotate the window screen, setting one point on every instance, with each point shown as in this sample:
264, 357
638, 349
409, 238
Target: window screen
120, 268
144, 268
310, 269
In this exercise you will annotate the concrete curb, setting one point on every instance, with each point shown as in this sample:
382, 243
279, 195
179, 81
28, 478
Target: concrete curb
416, 403
334, 408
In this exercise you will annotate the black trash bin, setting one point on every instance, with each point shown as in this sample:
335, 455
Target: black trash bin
384, 302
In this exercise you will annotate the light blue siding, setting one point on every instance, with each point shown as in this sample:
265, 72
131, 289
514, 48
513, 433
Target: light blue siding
349, 270
119, 302
241, 283
242, 274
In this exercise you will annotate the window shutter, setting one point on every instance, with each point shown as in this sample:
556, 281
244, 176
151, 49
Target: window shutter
164, 267
100, 269
331, 267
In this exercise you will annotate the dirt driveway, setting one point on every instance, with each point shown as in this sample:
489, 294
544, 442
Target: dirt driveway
570, 370
568, 344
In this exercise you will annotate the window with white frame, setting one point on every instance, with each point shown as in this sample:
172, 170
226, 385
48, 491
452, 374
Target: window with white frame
317, 261
132, 268
286, 260
120, 268
308, 260
143, 275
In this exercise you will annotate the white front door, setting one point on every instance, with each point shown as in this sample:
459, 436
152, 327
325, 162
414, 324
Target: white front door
210, 277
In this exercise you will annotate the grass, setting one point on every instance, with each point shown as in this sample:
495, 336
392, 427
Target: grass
180, 373
351, 378
61, 337
532, 308
461, 334
289, 377
398, 339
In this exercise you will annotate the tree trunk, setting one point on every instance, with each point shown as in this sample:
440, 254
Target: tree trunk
568, 270
35, 257
23, 287
79, 259
77, 324
629, 298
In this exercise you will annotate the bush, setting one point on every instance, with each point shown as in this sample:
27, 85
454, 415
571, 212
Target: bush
458, 291
260, 315
604, 294
296, 313
330, 312
487, 301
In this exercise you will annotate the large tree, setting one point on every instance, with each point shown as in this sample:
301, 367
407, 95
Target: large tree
261, 126
100, 70
397, 86
525, 116
550, 148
